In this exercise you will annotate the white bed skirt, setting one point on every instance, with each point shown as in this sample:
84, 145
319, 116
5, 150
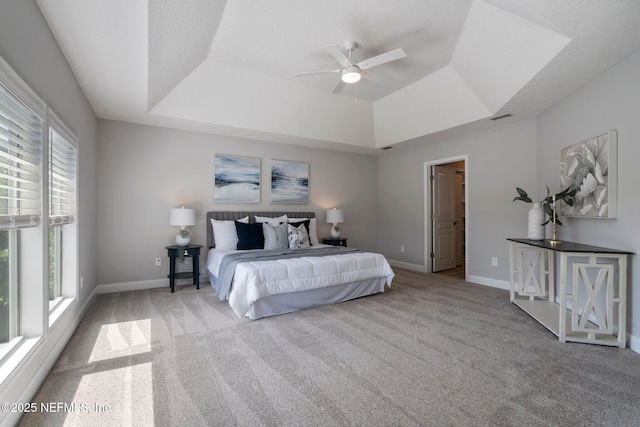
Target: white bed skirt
295, 301
286, 303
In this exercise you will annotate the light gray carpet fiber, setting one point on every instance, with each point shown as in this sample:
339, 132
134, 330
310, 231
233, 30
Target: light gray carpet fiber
431, 351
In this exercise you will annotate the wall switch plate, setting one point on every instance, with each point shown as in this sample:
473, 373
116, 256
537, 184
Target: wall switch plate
158, 262
494, 261
402, 248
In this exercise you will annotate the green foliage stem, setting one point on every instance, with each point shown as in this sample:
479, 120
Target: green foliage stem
565, 195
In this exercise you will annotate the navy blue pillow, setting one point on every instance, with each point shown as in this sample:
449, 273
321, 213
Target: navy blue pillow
250, 236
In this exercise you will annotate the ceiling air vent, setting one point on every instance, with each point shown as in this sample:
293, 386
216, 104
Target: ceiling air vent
504, 116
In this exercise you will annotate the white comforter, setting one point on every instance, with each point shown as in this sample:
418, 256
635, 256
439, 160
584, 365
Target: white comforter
255, 280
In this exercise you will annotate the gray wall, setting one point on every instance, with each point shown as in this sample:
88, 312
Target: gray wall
612, 101
145, 171
498, 160
524, 154
27, 44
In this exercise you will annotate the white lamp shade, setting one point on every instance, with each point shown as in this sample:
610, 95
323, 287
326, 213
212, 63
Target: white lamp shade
335, 216
182, 217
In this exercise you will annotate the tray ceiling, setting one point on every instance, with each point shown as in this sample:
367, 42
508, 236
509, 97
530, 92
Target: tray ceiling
228, 67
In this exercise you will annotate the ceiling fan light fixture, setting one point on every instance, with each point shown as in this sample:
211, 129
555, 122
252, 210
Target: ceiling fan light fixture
351, 74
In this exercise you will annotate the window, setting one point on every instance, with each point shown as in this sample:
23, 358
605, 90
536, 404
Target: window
62, 194
20, 205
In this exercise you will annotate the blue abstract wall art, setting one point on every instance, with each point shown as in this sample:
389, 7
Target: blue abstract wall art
237, 179
289, 182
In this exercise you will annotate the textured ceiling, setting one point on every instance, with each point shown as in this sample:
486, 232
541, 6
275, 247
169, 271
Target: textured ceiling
228, 66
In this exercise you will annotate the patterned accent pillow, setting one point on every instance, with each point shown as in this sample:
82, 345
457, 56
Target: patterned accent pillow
311, 229
275, 237
298, 237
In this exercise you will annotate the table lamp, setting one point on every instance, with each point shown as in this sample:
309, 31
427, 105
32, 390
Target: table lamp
335, 216
183, 217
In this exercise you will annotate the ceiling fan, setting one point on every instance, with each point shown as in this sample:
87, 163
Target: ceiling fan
350, 72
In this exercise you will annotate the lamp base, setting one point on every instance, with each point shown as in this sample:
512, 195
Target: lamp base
183, 238
335, 232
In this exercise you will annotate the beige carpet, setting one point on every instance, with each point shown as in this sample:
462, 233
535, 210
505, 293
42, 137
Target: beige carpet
432, 350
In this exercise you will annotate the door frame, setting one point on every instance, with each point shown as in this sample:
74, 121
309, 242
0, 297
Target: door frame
428, 209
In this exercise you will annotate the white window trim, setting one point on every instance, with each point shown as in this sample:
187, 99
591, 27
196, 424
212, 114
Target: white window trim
70, 265
18, 350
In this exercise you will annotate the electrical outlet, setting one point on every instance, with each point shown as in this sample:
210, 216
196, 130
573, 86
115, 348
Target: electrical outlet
494, 261
187, 261
81, 282
158, 262
402, 248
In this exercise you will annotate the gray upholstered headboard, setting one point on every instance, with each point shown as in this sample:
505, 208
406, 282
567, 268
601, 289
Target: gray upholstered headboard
233, 215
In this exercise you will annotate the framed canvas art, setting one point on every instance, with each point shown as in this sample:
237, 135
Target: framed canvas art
289, 182
236, 179
591, 168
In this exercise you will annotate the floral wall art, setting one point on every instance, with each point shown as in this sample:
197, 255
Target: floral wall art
591, 167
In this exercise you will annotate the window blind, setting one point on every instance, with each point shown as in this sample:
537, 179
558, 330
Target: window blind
20, 163
62, 179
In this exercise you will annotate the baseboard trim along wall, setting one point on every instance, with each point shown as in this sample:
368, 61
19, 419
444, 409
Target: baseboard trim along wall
486, 281
407, 266
62, 337
634, 343
144, 284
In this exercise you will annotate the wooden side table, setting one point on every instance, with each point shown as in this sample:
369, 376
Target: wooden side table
335, 242
191, 251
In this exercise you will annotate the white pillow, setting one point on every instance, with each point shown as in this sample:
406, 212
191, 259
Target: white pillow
273, 221
313, 234
298, 237
225, 234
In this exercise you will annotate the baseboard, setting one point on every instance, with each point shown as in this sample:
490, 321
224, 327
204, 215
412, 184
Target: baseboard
41, 374
142, 284
407, 266
634, 343
486, 281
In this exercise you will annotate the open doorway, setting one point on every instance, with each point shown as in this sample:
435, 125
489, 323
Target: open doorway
447, 218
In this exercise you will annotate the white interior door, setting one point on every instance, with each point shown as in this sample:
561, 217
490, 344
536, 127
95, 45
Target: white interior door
443, 219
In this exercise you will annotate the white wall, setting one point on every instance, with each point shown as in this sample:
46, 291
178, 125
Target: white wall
145, 171
611, 101
499, 160
27, 44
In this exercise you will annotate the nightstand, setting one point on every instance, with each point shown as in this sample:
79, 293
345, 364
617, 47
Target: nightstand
335, 242
191, 251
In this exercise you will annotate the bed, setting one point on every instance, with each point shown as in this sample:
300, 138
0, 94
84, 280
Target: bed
267, 282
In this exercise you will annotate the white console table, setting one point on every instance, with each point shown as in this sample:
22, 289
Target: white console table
591, 309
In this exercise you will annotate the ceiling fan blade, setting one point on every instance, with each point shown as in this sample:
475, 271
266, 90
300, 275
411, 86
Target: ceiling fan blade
376, 77
382, 59
338, 87
311, 73
338, 54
